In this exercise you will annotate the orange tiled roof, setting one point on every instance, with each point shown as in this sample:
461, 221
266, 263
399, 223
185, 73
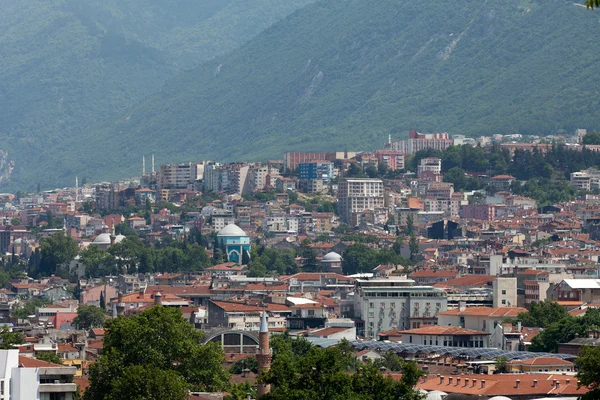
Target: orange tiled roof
487, 311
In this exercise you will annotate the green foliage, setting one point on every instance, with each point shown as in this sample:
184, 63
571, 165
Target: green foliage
542, 314
69, 65
89, 317
302, 371
241, 391
250, 363
361, 258
383, 70
57, 252
155, 348
265, 260
390, 361
565, 330
9, 339
589, 373
49, 357
98, 262
501, 365
24, 309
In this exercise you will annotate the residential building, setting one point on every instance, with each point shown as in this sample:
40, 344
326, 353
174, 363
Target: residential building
478, 318
316, 170
504, 291
429, 164
481, 212
392, 159
501, 183
381, 304
245, 317
421, 141
176, 176
358, 195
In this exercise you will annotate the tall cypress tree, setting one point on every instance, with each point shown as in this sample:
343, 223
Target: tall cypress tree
102, 301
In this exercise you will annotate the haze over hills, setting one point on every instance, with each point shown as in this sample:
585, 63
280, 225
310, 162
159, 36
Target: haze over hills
343, 74
67, 65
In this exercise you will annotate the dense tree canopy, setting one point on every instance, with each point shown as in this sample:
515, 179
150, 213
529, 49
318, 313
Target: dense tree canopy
565, 330
302, 371
155, 355
589, 373
57, 251
89, 317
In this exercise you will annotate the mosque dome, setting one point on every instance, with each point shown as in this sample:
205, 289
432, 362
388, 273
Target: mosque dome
231, 230
332, 257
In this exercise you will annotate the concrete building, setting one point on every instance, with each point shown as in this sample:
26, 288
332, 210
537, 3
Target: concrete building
504, 292
392, 159
478, 318
316, 170
429, 164
395, 303
24, 378
176, 176
358, 195
230, 178
421, 141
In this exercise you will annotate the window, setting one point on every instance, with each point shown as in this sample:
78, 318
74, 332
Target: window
410, 339
503, 291
311, 313
371, 305
503, 301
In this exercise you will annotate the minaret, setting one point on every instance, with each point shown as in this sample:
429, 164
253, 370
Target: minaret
76, 188
264, 354
143, 165
152, 163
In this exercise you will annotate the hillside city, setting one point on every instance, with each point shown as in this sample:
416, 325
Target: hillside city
430, 261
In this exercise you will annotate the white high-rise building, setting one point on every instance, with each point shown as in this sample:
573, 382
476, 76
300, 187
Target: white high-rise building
357, 195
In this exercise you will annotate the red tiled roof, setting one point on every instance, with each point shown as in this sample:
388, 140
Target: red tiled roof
328, 331
240, 307
487, 311
541, 361
29, 362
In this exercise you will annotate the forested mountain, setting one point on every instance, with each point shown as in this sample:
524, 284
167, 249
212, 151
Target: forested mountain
68, 65
343, 74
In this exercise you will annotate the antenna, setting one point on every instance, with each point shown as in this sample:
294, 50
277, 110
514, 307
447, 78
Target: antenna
143, 165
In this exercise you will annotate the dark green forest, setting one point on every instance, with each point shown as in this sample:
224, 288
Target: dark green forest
343, 74
69, 65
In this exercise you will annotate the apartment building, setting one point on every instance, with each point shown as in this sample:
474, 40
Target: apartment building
358, 195
420, 141
382, 304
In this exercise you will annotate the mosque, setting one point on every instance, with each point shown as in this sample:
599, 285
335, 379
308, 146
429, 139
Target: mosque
235, 241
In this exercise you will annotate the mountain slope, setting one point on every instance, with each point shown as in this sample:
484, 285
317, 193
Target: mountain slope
343, 74
68, 65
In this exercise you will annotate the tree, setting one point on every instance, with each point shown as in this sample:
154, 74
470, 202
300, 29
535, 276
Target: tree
589, 373
245, 257
413, 245
543, 314
390, 361
25, 309
397, 246
89, 317
49, 357
98, 262
239, 366
9, 339
302, 371
592, 4
102, 301
241, 391
591, 138
155, 355
57, 251
501, 365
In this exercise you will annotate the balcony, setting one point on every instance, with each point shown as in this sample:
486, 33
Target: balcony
58, 387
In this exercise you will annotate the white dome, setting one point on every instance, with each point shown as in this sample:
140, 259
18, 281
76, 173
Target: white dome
231, 230
103, 238
500, 398
332, 257
119, 238
436, 395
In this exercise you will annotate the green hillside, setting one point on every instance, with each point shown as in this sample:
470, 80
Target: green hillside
343, 74
69, 65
